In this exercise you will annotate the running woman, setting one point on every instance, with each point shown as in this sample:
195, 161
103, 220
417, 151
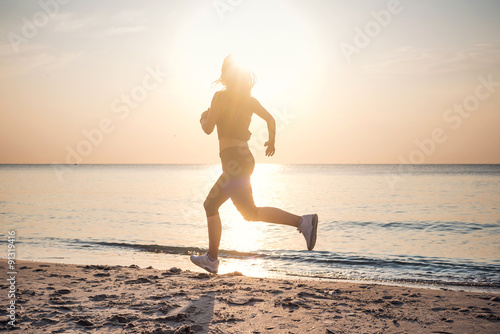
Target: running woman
231, 111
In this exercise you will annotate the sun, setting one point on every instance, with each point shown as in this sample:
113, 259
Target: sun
267, 37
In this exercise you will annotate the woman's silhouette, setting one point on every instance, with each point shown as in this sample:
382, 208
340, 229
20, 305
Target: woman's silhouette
231, 111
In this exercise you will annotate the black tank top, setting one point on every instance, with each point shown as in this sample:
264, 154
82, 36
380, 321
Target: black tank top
234, 123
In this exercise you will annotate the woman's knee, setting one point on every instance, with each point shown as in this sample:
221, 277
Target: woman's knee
210, 208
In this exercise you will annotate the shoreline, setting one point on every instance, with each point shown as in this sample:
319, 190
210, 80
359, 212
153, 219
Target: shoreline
69, 298
164, 263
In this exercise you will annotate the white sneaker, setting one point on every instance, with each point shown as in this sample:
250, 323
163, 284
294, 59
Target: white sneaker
308, 226
203, 261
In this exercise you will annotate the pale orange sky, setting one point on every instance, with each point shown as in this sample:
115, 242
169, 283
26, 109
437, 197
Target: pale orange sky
365, 82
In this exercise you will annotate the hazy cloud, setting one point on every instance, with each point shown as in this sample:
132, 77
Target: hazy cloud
128, 16
24, 63
34, 56
69, 22
408, 60
125, 30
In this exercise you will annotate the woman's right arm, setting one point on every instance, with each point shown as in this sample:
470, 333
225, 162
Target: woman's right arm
209, 117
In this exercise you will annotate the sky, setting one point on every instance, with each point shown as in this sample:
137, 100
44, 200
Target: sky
363, 81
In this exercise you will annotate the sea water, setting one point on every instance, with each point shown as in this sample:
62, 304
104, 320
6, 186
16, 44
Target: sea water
407, 224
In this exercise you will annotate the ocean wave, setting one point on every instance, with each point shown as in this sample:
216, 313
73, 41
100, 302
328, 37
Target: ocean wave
178, 250
325, 264
450, 227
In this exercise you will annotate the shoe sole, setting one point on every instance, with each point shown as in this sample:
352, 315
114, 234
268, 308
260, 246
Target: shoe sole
312, 243
202, 267
210, 271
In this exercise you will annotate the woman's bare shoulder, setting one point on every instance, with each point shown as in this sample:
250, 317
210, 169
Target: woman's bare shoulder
254, 102
220, 93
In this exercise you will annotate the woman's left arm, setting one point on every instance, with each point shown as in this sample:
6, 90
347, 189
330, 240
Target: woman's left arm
260, 111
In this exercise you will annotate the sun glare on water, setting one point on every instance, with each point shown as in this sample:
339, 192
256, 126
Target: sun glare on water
246, 237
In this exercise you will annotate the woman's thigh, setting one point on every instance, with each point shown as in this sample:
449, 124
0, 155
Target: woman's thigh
242, 197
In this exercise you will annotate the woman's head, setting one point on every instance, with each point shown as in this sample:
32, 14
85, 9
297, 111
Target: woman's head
235, 78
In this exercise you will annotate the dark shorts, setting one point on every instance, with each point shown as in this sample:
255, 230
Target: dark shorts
237, 162
237, 166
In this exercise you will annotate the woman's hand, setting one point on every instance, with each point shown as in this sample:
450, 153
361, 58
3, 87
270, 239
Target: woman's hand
270, 148
204, 116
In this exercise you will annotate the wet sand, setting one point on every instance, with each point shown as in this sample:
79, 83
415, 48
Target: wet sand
62, 298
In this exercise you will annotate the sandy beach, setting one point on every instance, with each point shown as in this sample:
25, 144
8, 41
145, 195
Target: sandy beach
63, 298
